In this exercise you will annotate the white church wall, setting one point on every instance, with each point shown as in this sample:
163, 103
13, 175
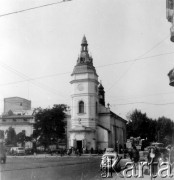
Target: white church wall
102, 138
104, 120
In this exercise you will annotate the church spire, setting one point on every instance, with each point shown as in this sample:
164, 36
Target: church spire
84, 60
84, 57
84, 45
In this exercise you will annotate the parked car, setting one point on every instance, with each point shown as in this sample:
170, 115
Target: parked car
112, 157
162, 149
17, 151
29, 151
2, 154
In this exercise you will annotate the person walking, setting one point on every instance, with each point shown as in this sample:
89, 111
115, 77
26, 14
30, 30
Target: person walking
172, 157
153, 160
135, 157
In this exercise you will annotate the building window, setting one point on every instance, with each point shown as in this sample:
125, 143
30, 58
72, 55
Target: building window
81, 107
20, 104
96, 107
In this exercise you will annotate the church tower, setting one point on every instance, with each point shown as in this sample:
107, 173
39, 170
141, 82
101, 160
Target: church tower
84, 105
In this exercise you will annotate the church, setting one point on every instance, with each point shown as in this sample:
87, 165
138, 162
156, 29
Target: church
91, 125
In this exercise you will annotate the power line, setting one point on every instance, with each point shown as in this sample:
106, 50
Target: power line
137, 97
58, 74
23, 76
125, 72
32, 8
136, 59
147, 103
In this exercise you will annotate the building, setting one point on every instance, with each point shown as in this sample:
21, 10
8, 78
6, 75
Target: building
170, 16
91, 125
18, 115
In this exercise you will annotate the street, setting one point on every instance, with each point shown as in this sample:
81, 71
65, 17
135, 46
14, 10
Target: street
55, 168
51, 168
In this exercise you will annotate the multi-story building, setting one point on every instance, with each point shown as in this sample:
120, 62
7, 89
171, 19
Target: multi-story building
18, 115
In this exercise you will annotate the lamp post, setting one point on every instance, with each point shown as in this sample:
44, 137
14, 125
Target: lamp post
171, 83
170, 16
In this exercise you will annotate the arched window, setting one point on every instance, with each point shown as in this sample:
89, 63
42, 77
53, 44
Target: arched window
81, 107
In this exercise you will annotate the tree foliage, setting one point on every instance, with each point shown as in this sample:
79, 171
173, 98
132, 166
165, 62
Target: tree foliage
152, 130
49, 125
1, 134
11, 136
21, 137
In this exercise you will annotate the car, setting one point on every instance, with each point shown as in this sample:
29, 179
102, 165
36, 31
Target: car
113, 161
29, 151
160, 147
2, 154
17, 151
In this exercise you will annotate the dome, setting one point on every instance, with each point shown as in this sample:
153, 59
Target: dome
100, 87
84, 68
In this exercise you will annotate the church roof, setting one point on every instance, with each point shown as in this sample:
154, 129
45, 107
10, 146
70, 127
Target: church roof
85, 68
84, 61
117, 117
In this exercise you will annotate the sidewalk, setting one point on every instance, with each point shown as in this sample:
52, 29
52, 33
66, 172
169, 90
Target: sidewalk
53, 156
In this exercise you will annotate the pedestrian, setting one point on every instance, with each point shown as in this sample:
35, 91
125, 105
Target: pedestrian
84, 149
92, 150
172, 156
135, 156
153, 160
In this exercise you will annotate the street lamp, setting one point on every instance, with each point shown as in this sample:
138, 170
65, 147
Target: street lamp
170, 16
171, 83
171, 77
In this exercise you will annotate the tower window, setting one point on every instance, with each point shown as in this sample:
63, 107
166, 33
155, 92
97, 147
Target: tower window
81, 107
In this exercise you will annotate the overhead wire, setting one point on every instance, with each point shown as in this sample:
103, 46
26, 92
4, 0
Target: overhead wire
23, 76
147, 103
63, 73
31, 79
137, 59
32, 8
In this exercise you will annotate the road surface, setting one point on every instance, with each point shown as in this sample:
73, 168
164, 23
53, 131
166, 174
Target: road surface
56, 168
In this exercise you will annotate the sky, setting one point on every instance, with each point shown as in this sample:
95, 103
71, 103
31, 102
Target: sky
129, 41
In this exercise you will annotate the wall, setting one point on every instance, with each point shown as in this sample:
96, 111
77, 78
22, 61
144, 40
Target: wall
16, 104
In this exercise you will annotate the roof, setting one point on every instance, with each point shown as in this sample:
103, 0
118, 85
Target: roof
16, 97
117, 117
84, 68
17, 117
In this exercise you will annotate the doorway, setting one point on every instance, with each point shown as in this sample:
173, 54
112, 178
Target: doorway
79, 146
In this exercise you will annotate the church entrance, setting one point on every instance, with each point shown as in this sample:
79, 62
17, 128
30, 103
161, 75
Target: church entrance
79, 145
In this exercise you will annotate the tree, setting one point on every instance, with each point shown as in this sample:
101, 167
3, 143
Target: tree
164, 130
160, 130
140, 125
49, 125
21, 137
11, 136
1, 134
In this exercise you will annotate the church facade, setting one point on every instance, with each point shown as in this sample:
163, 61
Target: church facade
91, 124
